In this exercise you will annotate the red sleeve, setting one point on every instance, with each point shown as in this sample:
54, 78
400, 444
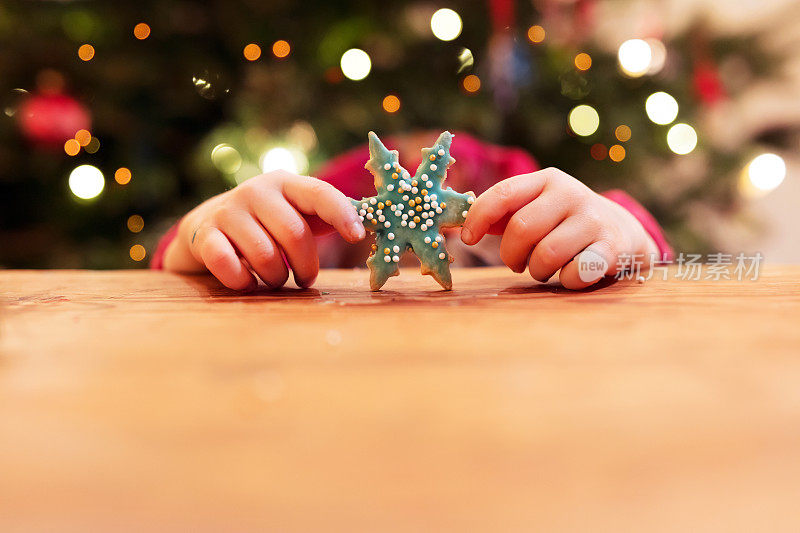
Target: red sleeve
157, 261
645, 219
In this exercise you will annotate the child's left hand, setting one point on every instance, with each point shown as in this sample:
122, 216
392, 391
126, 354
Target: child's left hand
550, 221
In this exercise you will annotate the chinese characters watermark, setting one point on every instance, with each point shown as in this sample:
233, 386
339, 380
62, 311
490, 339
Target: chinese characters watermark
690, 267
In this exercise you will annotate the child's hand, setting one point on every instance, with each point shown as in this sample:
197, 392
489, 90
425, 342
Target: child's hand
265, 218
547, 218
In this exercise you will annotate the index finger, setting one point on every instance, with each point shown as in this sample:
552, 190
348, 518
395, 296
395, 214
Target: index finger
311, 196
502, 200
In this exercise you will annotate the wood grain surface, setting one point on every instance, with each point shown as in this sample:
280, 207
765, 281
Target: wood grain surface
146, 401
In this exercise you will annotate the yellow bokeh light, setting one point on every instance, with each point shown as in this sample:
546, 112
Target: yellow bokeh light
583, 61
391, 104
661, 108
83, 137
622, 133
766, 172
138, 252
86, 52
634, 57
72, 147
536, 34
122, 176
446, 24
252, 52
226, 158
471, 83
681, 139
355, 64
616, 153
281, 48
584, 120
141, 31
93, 145
135, 223
86, 182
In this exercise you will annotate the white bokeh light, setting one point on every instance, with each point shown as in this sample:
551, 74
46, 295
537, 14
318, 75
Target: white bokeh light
661, 108
681, 139
280, 158
446, 24
634, 57
86, 182
766, 172
584, 120
356, 64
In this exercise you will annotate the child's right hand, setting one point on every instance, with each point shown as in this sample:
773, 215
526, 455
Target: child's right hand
250, 229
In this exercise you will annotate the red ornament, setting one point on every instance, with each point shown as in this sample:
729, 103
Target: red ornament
52, 119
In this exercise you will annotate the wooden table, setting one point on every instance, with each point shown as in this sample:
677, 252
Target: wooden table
144, 401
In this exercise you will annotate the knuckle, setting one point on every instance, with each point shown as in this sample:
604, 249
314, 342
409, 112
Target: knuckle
544, 255
263, 253
216, 259
517, 226
295, 231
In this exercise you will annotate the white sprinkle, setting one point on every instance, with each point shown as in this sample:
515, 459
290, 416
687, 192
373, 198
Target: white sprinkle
414, 190
431, 214
406, 175
382, 218
362, 212
373, 201
401, 183
424, 214
396, 249
442, 255
407, 187
464, 214
390, 187
364, 205
438, 238
412, 225
426, 198
396, 258
405, 197
426, 206
362, 218
379, 212
369, 216
387, 224
387, 166
390, 236
434, 197
399, 207
441, 151
427, 240
404, 223
434, 167
471, 200
429, 184
387, 258
424, 177
439, 210
424, 227
405, 217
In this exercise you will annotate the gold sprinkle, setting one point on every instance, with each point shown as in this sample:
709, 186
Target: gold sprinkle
380, 205
374, 221
388, 202
435, 244
370, 209
394, 175
443, 205
433, 157
386, 250
416, 220
418, 208
418, 200
424, 191
411, 203
413, 183
374, 247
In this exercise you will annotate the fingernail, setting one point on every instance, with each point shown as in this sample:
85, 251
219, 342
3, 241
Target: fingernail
466, 235
357, 230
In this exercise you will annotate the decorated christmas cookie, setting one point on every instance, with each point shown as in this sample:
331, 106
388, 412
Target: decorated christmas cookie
409, 212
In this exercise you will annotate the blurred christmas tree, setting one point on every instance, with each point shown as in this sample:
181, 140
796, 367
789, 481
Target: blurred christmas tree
159, 105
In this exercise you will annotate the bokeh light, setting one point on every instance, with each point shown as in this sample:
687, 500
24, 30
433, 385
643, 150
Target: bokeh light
355, 64
681, 139
465, 60
281, 48
766, 172
658, 56
93, 145
86, 52
252, 52
616, 153
72, 147
536, 34
391, 104
622, 133
83, 137
584, 120
226, 158
141, 31
634, 57
137, 252
280, 158
135, 223
446, 24
86, 182
598, 151
661, 108
471, 83
122, 176
583, 61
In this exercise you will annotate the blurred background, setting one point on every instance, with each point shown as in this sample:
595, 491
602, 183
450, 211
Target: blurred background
118, 117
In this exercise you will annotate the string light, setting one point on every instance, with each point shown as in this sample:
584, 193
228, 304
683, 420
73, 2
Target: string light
682, 139
122, 176
634, 57
137, 252
622, 133
584, 120
72, 147
86, 182
446, 24
141, 31
281, 48
661, 108
536, 34
766, 172
471, 83
135, 223
583, 61
355, 64
616, 153
86, 52
83, 137
252, 52
391, 104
